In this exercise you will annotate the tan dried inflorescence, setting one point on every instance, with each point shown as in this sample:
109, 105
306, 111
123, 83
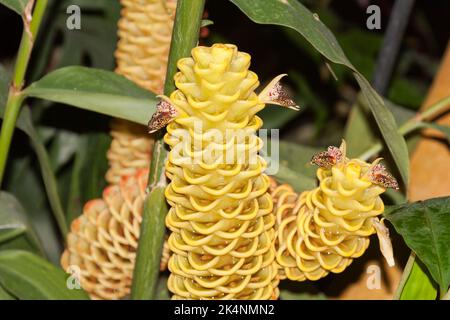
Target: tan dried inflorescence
102, 243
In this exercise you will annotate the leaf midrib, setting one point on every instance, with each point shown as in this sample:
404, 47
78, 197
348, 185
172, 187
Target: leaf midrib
434, 242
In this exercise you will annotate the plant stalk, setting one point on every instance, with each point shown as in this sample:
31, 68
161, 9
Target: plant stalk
15, 98
146, 273
411, 125
398, 21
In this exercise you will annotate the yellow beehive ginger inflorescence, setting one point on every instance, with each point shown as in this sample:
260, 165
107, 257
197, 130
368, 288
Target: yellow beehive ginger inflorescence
145, 31
130, 150
221, 220
102, 243
324, 229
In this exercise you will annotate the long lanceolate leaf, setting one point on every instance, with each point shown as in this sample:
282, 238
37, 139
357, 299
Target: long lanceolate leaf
96, 90
25, 124
27, 276
292, 14
14, 225
386, 122
16, 5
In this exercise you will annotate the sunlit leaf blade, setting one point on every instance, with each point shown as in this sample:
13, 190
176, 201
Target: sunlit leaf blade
14, 225
425, 227
416, 283
292, 14
16, 5
96, 90
5, 295
29, 277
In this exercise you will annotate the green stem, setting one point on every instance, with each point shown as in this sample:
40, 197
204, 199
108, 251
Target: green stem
15, 98
411, 125
26, 44
9, 122
146, 273
435, 110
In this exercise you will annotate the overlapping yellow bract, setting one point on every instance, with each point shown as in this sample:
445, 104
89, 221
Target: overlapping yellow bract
324, 229
145, 31
221, 214
129, 152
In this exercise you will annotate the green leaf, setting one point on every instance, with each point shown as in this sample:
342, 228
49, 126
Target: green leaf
87, 181
416, 283
275, 117
5, 295
360, 131
162, 292
425, 227
63, 147
16, 5
25, 182
298, 181
14, 224
49, 178
294, 166
359, 134
386, 122
206, 22
24, 123
29, 277
292, 14
96, 90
